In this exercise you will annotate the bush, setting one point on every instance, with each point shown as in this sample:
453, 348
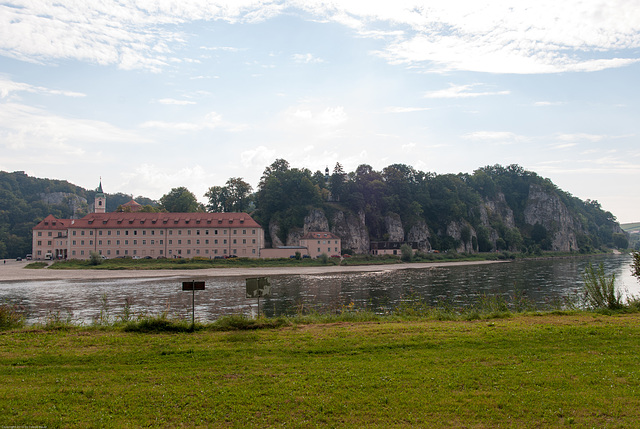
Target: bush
406, 252
95, 258
10, 317
599, 290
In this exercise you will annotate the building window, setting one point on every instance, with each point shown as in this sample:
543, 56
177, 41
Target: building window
49, 243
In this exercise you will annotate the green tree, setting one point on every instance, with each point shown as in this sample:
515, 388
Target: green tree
180, 200
635, 266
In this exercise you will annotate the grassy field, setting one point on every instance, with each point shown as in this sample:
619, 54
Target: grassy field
534, 371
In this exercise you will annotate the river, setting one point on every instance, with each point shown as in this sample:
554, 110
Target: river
545, 283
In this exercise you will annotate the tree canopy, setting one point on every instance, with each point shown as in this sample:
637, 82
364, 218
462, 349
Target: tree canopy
180, 200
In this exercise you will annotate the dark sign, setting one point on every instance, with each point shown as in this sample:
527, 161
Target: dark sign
258, 287
192, 285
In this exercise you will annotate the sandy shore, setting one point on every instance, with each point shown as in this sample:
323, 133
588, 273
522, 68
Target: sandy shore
15, 271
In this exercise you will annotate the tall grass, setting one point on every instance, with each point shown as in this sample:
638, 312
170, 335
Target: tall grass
11, 316
600, 290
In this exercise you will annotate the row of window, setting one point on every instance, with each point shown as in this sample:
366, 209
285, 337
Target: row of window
153, 242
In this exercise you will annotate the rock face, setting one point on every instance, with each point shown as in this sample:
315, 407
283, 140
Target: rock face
351, 228
498, 207
393, 225
274, 230
549, 211
75, 203
455, 229
419, 233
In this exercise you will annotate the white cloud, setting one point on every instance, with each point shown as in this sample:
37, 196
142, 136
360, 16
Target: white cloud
175, 102
8, 87
210, 121
307, 59
461, 91
327, 117
257, 158
496, 137
397, 109
154, 181
580, 137
529, 36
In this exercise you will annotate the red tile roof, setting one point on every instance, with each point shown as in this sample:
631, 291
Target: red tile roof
155, 220
50, 222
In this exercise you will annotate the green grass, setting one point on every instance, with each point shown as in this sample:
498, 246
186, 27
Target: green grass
203, 263
577, 370
36, 265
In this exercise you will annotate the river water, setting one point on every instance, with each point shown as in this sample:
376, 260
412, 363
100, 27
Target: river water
545, 283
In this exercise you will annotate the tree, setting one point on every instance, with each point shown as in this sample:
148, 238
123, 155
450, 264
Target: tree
233, 197
180, 200
635, 266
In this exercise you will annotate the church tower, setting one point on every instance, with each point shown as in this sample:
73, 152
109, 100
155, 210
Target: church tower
100, 202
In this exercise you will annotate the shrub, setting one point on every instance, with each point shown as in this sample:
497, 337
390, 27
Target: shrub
406, 252
95, 258
599, 290
10, 317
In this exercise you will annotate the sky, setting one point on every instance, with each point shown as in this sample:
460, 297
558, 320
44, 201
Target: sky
152, 95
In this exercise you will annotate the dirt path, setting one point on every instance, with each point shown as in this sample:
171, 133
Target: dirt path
15, 271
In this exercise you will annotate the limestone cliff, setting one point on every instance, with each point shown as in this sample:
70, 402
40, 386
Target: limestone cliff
77, 205
419, 233
546, 208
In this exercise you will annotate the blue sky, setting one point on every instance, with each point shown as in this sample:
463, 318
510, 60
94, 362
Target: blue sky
154, 95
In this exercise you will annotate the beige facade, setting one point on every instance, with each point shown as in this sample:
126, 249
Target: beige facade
154, 235
318, 243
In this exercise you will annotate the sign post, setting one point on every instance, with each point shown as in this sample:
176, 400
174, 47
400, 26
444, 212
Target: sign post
257, 287
193, 286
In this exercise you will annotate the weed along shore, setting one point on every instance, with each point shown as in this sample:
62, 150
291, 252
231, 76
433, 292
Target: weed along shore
16, 271
542, 370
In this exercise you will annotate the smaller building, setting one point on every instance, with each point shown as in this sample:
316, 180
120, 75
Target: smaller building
379, 248
318, 243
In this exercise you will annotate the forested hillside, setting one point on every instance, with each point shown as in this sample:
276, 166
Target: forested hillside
25, 201
494, 209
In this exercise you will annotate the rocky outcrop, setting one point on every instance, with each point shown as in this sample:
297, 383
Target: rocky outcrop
463, 233
548, 210
274, 230
393, 226
76, 204
352, 230
315, 221
419, 233
497, 207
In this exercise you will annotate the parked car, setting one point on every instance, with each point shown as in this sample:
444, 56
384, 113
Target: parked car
18, 259
29, 257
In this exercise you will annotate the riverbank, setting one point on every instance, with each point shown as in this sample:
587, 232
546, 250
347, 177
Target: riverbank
15, 271
575, 370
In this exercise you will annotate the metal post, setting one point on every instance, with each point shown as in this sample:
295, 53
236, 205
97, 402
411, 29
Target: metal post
193, 303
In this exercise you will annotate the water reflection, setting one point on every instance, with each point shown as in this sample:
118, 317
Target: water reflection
542, 282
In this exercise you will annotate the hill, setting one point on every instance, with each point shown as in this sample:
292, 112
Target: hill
26, 200
494, 209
